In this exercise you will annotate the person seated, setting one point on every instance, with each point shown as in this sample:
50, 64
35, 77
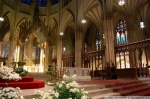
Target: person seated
4, 63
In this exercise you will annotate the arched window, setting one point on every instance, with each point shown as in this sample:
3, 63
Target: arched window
41, 3
26, 2
98, 42
6, 51
121, 33
122, 57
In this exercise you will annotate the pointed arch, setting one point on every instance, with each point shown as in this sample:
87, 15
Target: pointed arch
66, 18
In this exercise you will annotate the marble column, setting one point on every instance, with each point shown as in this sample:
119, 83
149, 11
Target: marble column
109, 40
78, 49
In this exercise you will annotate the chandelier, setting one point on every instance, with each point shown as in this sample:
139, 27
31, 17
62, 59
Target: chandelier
121, 2
61, 33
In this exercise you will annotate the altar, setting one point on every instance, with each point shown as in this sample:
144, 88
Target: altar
39, 69
81, 73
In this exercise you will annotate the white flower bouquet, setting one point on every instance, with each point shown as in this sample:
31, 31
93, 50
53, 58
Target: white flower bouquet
10, 93
8, 74
67, 89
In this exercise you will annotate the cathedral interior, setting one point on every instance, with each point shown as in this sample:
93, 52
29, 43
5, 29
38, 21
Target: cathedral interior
90, 34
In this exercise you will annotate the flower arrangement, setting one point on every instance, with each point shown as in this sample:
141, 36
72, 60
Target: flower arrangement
8, 74
10, 93
52, 71
67, 89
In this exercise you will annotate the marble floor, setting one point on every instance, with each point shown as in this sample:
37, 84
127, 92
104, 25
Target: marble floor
29, 93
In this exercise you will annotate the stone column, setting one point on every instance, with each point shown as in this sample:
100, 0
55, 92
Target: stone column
109, 40
13, 34
48, 55
59, 53
78, 49
42, 57
21, 55
12, 46
29, 51
1, 48
46, 63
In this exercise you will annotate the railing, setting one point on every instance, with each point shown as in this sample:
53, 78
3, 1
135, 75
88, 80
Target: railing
89, 59
133, 46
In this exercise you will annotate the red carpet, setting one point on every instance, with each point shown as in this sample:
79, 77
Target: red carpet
25, 83
124, 87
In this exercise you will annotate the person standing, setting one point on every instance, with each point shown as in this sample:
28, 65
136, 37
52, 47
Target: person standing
113, 71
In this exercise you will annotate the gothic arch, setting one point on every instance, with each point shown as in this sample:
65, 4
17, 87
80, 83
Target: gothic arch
91, 10
53, 31
66, 18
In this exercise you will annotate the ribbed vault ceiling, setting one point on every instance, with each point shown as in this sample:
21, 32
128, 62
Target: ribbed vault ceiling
94, 12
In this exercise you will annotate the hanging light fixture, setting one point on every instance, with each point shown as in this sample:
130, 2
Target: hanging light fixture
61, 33
64, 49
83, 21
142, 24
1, 19
121, 2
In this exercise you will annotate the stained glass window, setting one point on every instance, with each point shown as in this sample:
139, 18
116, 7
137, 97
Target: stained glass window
37, 50
121, 33
41, 3
122, 58
98, 41
6, 51
26, 2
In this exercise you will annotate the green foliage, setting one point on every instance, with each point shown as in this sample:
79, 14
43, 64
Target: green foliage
21, 71
52, 71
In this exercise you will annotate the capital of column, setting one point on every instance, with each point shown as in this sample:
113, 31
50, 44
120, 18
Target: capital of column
42, 45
